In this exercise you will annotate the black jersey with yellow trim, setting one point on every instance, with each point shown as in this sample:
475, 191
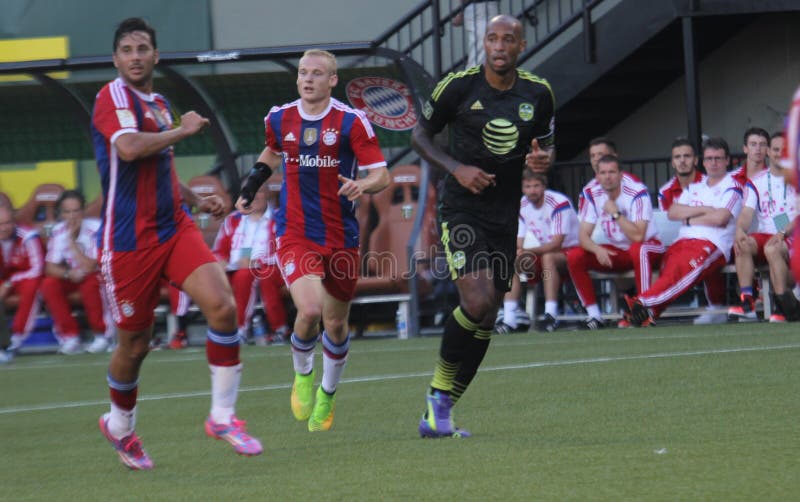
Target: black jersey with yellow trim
491, 129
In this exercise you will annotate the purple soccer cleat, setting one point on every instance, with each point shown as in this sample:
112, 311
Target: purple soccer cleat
436, 422
236, 434
129, 448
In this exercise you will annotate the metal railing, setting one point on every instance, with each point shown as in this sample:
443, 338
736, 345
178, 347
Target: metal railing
570, 177
427, 34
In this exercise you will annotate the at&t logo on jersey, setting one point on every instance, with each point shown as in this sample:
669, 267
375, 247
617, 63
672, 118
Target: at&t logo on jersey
500, 136
386, 102
317, 161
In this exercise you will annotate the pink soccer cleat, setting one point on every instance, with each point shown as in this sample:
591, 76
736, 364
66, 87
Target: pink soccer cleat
128, 448
236, 434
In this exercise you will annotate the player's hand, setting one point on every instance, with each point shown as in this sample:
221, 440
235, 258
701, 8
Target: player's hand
74, 228
775, 239
610, 207
604, 256
258, 175
212, 205
473, 178
192, 122
350, 188
243, 205
539, 159
77, 274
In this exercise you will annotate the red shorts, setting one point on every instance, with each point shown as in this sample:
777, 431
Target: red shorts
760, 239
338, 268
133, 278
531, 266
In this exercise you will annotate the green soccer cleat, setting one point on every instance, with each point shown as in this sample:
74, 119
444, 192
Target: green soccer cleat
322, 416
302, 399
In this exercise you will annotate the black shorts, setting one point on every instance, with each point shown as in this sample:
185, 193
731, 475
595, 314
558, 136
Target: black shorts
471, 245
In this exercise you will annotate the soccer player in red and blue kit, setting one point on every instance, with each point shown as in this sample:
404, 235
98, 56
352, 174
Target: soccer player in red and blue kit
790, 160
322, 143
146, 235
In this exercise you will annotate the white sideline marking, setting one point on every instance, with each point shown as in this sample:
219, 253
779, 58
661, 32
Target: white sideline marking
376, 378
198, 354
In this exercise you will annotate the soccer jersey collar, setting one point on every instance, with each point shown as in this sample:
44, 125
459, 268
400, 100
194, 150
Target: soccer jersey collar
308, 116
144, 97
495, 89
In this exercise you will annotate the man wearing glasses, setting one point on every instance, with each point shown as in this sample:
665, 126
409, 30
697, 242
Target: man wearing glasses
708, 211
684, 161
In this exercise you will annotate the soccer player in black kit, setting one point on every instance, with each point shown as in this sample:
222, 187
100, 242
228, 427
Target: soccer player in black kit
501, 122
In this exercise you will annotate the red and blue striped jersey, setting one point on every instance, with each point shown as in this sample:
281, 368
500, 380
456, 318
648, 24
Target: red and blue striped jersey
141, 198
316, 149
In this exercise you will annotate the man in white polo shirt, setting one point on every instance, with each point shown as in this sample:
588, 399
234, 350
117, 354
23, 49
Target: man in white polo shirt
622, 207
549, 216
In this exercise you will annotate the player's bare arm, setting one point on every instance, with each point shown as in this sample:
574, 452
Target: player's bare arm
376, 180
550, 247
138, 145
743, 223
679, 212
745, 219
472, 178
780, 235
211, 204
266, 163
742, 241
188, 195
56, 269
85, 264
585, 240
633, 230
714, 217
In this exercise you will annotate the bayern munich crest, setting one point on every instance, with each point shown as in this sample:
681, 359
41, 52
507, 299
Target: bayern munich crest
387, 103
329, 137
127, 308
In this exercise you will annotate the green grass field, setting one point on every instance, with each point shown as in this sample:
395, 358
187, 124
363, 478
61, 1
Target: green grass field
669, 413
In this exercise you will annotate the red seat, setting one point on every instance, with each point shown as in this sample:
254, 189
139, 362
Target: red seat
387, 260
363, 213
40, 209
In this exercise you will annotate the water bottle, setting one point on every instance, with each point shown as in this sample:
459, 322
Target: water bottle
402, 323
259, 330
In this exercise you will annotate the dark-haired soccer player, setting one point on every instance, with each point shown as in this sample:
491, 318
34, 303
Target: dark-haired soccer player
146, 235
500, 119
